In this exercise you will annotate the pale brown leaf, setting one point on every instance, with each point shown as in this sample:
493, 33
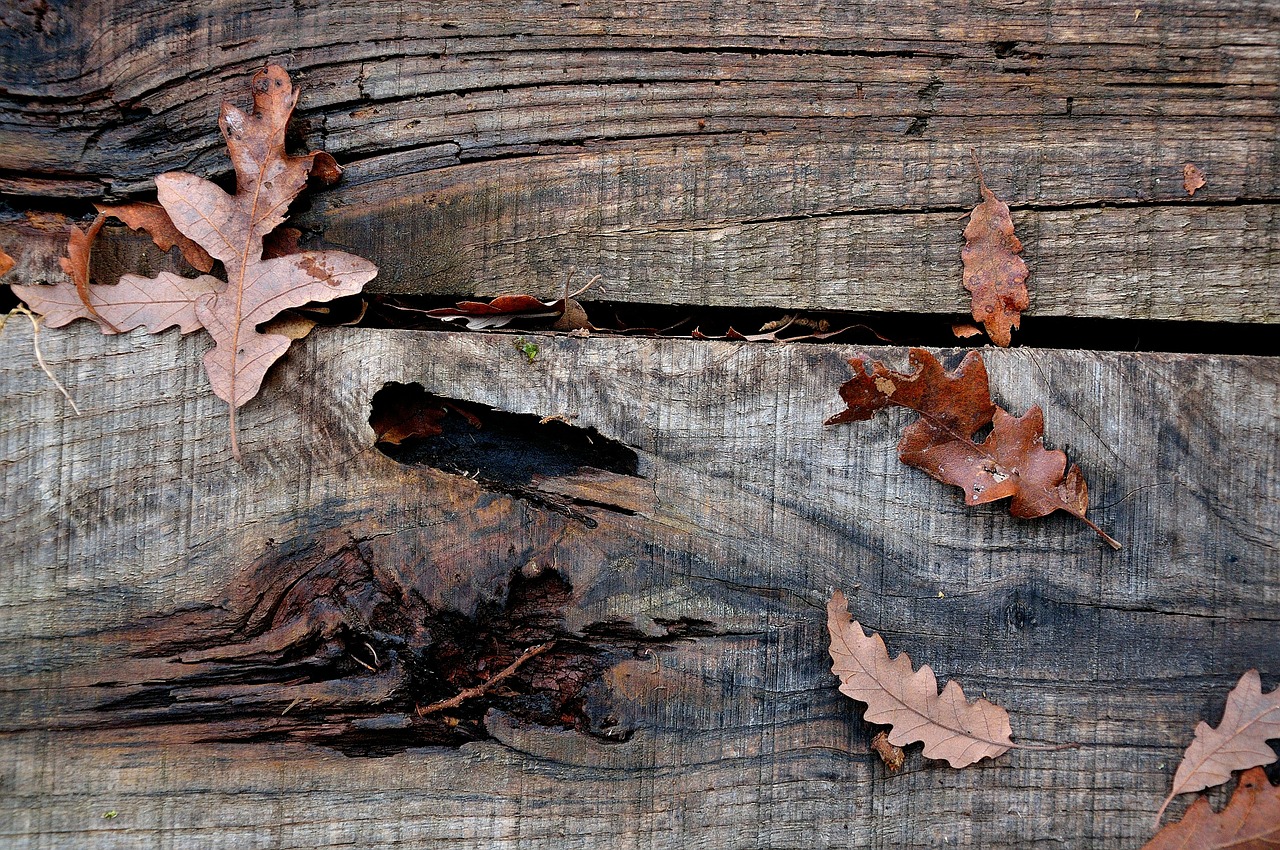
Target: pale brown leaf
1239, 741
135, 302
952, 728
230, 228
1251, 821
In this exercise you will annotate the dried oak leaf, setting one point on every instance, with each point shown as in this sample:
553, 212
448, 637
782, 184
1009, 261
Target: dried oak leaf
1192, 178
153, 219
1011, 462
231, 228
993, 272
952, 728
1251, 821
1239, 741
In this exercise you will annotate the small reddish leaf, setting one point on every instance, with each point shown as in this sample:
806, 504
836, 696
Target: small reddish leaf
893, 757
1192, 178
1010, 463
952, 728
497, 313
1250, 719
153, 219
325, 169
1251, 821
6, 263
993, 272
965, 330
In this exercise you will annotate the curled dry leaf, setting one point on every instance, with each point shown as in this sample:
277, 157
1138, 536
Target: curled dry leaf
1192, 178
505, 309
993, 272
893, 757
964, 330
952, 728
231, 228
1011, 462
153, 219
6, 263
1251, 821
1239, 741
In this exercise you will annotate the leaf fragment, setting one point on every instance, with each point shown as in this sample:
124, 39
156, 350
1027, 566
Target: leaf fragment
1192, 178
569, 315
993, 272
1011, 462
6, 263
893, 757
952, 728
1238, 742
1251, 821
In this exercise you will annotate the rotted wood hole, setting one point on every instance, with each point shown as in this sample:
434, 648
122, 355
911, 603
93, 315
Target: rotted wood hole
337, 638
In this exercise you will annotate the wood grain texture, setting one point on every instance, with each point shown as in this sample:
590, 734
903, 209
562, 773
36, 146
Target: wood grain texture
133, 519
702, 153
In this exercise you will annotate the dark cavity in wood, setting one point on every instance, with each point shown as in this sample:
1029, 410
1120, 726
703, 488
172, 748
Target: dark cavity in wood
504, 452
321, 643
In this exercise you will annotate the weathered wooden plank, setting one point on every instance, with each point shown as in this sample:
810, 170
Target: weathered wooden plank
791, 156
1214, 263
711, 718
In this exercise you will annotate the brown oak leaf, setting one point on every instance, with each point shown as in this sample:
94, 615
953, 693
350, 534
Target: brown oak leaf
153, 219
231, 228
952, 728
1251, 821
1239, 741
993, 272
1192, 178
1011, 462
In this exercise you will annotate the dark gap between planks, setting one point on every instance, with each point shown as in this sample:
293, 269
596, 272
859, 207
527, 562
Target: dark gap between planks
929, 330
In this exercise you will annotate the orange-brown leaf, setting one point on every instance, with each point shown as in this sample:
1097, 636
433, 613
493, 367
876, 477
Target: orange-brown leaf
1011, 462
1251, 821
1192, 178
1250, 719
6, 263
153, 219
892, 756
952, 728
993, 272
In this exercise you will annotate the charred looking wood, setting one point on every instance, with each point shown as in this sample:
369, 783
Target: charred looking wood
323, 643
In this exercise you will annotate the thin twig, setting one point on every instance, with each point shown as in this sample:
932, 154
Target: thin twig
35, 344
480, 690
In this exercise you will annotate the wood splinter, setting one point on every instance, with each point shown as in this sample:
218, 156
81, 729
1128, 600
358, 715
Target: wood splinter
484, 687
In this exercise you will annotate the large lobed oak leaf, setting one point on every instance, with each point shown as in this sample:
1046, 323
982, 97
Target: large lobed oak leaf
1010, 463
226, 227
952, 728
1251, 821
1250, 719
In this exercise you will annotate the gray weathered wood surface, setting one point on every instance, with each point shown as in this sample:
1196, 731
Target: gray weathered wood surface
748, 514
706, 153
